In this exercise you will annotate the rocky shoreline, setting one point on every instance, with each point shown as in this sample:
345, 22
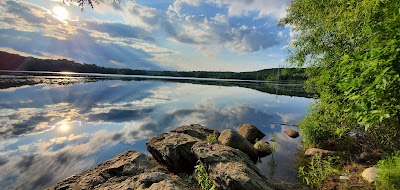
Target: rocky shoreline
229, 162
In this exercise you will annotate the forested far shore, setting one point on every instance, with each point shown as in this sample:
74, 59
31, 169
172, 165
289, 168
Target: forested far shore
15, 62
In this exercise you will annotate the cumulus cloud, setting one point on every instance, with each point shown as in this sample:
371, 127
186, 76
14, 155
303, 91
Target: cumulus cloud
144, 37
206, 33
217, 32
273, 8
110, 44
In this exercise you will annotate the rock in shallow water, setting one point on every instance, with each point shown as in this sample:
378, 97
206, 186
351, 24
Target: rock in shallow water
291, 133
234, 140
250, 132
263, 148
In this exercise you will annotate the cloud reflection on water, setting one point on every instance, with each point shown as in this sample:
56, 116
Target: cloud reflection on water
107, 115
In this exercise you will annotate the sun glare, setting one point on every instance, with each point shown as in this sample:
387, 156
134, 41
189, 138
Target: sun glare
64, 127
60, 13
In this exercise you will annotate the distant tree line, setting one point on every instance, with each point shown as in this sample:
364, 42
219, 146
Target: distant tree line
20, 63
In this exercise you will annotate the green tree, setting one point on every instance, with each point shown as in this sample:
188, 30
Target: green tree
351, 49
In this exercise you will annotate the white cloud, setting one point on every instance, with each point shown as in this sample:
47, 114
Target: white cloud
273, 8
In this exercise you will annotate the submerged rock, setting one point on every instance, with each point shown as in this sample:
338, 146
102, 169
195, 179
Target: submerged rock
250, 132
291, 133
234, 140
129, 170
230, 168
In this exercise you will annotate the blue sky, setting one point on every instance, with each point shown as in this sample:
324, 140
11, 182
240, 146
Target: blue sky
226, 35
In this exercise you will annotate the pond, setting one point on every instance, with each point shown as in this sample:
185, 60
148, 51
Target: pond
55, 125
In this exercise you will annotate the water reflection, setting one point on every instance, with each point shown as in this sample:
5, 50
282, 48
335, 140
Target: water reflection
51, 130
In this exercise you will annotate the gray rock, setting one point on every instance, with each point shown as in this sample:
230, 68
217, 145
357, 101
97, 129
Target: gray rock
230, 168
150, 181
234, 140
196, 130
250, 132
174, 150
291, 133
370, 174
262, 148
313, 151
129, 170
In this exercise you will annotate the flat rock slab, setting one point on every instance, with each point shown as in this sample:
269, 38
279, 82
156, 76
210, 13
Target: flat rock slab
230, 168
129, 170
197, 130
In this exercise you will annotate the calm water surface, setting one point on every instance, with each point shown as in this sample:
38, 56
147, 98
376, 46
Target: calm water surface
52, 127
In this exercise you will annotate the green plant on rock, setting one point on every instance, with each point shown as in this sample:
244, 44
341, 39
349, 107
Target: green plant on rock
319, 170
211, 138
274, 145
202, 177
389, 173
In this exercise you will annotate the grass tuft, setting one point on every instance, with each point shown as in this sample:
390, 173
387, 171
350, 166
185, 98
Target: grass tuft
389, 173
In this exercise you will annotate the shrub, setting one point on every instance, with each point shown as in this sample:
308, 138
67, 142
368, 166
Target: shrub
202, 178
319, 170
351, 50
389, 173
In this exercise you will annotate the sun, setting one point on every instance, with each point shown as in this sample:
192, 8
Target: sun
64, 127
60, 13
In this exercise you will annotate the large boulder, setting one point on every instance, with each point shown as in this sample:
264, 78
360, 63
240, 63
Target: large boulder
250, 132
234, 140
197, 130
129, 170
174, 150
230, 168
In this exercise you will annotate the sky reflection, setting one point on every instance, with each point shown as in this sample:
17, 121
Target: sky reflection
49, 132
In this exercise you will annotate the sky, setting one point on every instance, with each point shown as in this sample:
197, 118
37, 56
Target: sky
183, 35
